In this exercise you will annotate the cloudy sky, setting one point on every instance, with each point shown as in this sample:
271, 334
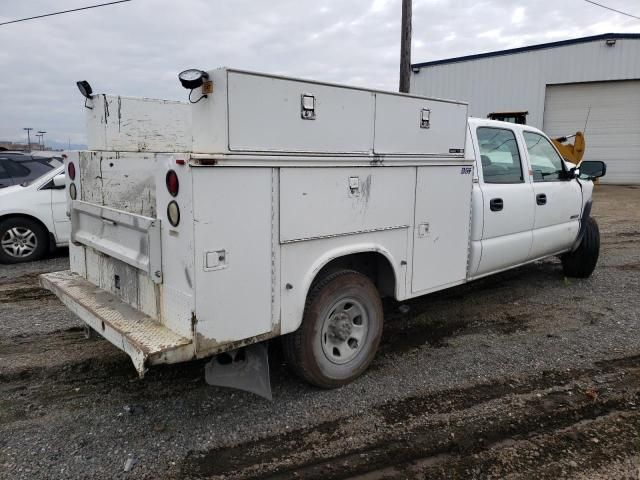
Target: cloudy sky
137, 48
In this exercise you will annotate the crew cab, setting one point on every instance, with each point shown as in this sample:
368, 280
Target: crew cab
276, 207
33, 214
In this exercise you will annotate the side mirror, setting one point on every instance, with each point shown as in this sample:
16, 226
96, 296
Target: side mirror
574, 172
59, 180
590, 169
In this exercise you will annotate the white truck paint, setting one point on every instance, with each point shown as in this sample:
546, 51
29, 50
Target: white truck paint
271, 201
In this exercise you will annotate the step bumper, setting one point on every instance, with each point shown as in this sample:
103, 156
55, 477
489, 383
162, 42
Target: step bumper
141, 337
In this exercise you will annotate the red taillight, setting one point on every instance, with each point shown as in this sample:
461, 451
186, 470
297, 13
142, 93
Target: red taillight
172, 183
71, 168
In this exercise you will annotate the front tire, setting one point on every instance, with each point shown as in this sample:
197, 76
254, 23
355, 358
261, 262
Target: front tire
340, 331
582, 261
22, 240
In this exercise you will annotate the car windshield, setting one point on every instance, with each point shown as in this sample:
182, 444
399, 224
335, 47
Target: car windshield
38, 166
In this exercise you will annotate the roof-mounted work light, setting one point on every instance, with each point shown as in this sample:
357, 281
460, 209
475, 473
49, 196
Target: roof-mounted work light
194, 78
85, 88
86, 91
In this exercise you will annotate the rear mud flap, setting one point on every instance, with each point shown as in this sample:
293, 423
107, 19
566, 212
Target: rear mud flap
244, 369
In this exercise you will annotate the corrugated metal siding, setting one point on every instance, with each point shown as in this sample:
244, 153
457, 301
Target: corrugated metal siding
613, 129
518, 81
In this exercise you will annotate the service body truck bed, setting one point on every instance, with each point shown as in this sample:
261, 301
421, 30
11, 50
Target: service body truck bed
296, 200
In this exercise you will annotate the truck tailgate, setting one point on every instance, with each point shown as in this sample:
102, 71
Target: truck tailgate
131, 238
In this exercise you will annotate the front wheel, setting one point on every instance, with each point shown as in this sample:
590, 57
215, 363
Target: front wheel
340, 330
22, 240
582, 261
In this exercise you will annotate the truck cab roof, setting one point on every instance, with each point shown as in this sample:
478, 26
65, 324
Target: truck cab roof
485, 122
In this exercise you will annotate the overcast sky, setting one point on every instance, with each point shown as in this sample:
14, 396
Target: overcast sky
137, 48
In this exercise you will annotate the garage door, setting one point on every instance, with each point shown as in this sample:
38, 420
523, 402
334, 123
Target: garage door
613, 128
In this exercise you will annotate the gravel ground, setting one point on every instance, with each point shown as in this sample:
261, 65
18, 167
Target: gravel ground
521, 374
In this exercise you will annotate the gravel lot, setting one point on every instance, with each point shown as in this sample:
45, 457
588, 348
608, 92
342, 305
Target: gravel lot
522, 374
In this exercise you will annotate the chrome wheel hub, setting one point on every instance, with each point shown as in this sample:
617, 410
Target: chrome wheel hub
344, 330
19, 242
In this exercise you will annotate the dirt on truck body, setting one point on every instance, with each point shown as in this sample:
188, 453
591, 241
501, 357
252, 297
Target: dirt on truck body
522, 374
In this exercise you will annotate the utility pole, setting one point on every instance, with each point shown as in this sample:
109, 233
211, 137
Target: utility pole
42, 135
28, 129
405, 46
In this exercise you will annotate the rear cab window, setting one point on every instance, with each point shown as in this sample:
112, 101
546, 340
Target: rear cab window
499, 154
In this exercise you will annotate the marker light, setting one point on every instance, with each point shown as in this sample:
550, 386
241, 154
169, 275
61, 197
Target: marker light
71, 169
73, 193
173, 213
173, 185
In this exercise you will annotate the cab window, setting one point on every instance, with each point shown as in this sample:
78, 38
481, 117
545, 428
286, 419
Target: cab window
4, 174
546, 164
499, 155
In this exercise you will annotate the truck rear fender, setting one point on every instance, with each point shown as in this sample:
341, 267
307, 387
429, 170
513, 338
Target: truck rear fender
373, 260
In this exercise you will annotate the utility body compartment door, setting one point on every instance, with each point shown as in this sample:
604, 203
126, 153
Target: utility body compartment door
267, 114
235, 255
326, 202
410, 125
441, 227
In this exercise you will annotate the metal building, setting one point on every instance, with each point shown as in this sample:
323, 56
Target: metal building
562, 85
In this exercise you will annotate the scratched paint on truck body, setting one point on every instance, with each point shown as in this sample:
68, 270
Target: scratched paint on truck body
125, 124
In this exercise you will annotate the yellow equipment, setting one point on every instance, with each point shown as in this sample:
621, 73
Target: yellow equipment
571, 152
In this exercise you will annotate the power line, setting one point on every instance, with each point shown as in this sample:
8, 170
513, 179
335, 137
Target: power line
612, 9
63, 11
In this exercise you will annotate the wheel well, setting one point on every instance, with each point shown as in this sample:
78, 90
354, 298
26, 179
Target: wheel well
33, 219
372, 264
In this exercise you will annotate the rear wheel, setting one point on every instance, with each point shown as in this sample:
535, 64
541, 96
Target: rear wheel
22, 240
340, 331
582, 261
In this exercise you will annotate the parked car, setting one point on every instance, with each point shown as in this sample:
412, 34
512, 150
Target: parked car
33, 218
16, 167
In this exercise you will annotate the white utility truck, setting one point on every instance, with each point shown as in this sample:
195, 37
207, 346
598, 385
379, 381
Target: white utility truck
272, 206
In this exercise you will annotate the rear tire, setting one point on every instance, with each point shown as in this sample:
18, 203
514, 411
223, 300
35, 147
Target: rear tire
22, 240
340, 331
582, 262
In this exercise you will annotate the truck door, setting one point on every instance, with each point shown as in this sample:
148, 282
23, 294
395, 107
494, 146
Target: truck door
508, 212
557, 200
